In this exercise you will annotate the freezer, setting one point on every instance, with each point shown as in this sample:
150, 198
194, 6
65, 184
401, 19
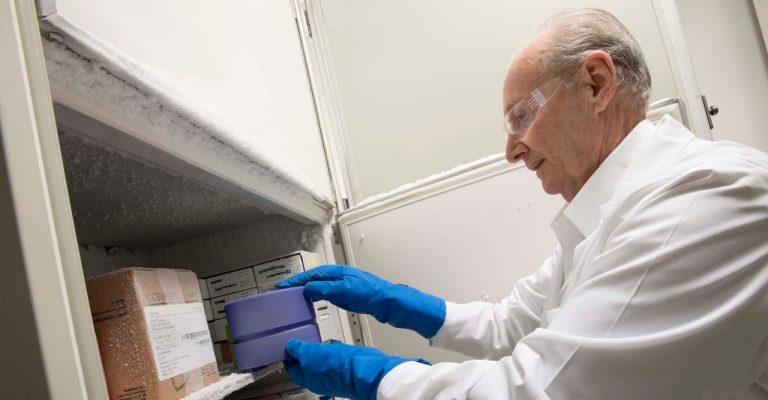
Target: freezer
131, 157
138, 175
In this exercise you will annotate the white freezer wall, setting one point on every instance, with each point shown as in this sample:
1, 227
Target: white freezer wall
240, 60
216, 252
242, 246
420, 81
460, 244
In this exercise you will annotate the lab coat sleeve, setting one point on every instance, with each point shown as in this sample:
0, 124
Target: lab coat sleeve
490, 331
672, 306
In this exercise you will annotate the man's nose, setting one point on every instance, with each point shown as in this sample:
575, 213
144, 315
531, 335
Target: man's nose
516, 149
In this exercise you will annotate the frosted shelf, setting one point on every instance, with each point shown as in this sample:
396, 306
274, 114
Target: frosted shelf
101, 93
231, 383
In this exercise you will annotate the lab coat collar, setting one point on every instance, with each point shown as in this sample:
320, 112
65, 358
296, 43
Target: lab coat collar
568, 235
666, 143
583, 212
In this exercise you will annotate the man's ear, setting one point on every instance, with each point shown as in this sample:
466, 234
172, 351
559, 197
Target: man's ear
600, 74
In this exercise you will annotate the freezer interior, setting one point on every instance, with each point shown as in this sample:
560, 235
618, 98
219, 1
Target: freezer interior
129, 211
160, 176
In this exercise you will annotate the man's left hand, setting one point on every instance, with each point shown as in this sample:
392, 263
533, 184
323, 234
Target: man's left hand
338, 369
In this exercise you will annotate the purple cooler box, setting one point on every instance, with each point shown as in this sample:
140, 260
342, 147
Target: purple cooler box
261, 324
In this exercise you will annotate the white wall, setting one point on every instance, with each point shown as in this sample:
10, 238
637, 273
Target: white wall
761, 8
731, 64
420, 81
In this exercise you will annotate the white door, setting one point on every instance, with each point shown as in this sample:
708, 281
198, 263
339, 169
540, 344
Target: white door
730, 59
413, 90
42, 293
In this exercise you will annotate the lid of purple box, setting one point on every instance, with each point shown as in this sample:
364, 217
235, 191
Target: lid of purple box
266, 313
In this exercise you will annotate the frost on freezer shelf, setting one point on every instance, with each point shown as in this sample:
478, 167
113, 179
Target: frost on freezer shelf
228, 384
110, 77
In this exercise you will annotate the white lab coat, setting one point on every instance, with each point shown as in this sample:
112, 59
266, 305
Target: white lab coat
658, 288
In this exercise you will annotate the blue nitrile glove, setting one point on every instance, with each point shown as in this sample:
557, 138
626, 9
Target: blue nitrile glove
338, 369
362, 292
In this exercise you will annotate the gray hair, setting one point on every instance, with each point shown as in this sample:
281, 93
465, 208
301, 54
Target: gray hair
573, 34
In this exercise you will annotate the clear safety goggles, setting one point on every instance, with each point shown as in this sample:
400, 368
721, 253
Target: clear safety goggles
521, 115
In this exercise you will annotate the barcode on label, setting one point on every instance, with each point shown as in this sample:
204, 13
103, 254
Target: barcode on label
193, 335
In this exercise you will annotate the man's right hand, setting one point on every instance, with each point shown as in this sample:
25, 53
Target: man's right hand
362, 292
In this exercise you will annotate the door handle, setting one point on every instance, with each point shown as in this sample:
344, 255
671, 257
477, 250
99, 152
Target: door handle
710, 111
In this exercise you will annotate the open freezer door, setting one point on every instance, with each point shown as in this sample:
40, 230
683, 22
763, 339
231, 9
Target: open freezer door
466, 236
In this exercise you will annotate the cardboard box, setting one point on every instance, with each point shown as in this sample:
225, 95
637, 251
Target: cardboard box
231, 282
152, 333
269, 273
218, 303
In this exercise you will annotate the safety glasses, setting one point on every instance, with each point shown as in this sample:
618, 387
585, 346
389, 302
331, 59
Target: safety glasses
521, 115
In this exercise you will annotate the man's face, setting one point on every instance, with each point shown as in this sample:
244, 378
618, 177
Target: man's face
557, 145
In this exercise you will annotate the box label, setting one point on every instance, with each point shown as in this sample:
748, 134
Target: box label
180, 338
218, 304
268, 274
231, 282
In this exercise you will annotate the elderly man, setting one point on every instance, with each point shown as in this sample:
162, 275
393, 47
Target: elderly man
658, 288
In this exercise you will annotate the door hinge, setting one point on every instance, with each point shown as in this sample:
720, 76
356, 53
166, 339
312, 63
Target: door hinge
336, 234
357, 328
345, 203
306, 21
